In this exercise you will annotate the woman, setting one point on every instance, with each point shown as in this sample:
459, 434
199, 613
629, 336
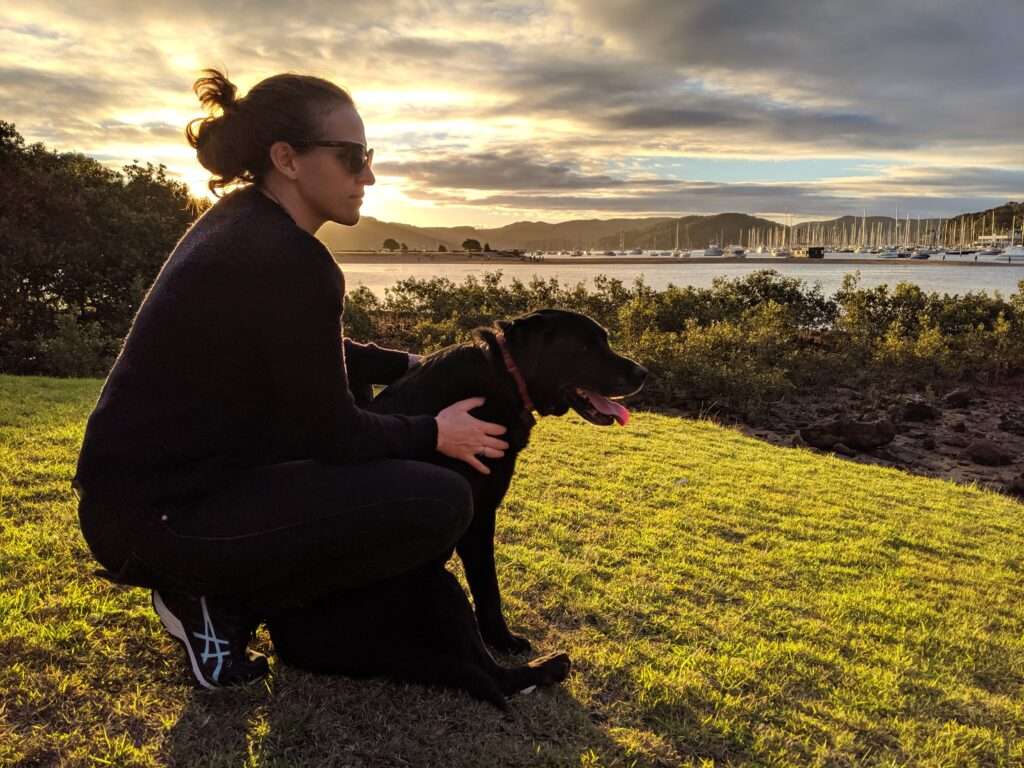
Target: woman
226, 465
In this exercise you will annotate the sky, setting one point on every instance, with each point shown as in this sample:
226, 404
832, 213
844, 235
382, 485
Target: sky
484, 113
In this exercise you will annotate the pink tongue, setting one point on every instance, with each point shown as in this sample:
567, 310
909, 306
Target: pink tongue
608, 407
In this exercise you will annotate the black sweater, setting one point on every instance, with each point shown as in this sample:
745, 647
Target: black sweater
236, 359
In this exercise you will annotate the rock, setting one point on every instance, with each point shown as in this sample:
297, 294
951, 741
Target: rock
843, 450
956, 442
928, 443
958, 398
1015, 487
1012, 425
987, 453
886, 455
859, 435
915, 408
958, 426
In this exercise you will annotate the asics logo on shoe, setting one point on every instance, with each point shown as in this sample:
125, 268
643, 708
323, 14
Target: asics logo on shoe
213, 647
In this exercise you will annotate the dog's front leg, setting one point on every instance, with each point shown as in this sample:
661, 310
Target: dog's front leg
476, 550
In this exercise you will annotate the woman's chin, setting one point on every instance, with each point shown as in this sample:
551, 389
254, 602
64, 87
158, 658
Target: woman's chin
347, 219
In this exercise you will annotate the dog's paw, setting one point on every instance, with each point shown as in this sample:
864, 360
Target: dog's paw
509, 643
554, 667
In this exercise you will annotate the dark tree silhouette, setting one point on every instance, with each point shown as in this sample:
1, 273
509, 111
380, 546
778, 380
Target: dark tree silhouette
81, 245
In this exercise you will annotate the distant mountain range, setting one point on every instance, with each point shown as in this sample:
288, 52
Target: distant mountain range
602, 234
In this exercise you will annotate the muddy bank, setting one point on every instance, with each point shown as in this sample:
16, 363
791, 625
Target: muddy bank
969, 434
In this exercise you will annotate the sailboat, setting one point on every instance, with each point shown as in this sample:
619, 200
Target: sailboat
782, 251
1014, 252
676, 253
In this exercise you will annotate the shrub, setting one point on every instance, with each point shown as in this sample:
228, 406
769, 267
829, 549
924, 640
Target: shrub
737, 344
75, 348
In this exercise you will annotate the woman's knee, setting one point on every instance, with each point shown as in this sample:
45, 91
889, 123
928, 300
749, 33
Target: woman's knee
454, 498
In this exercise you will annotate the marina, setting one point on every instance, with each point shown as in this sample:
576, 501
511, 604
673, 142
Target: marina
954, 276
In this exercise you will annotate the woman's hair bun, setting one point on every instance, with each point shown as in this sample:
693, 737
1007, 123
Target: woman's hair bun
215, 90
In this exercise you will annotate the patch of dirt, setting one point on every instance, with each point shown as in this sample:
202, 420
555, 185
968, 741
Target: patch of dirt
934, 447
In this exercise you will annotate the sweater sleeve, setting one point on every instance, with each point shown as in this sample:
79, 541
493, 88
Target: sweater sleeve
372, 364
305, 369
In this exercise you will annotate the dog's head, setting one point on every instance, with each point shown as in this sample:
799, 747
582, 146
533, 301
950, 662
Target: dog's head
566, 362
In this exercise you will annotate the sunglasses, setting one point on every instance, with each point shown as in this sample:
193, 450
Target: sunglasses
351, 154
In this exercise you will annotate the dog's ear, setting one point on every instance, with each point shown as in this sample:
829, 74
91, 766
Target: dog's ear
531, 323
527, 336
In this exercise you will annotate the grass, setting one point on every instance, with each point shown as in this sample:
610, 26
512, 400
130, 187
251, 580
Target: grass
725, 603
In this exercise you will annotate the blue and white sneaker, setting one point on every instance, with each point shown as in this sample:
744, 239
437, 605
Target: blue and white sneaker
214, 636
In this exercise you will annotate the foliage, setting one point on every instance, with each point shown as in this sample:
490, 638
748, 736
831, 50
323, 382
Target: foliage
470, 245
390, 244
81, 245
739, 343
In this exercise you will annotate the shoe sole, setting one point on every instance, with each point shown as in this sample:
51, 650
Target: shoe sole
173, 625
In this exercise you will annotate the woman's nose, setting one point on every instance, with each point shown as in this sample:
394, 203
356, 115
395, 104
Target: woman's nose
367, 177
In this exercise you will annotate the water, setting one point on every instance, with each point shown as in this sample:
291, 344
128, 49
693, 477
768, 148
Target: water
930, 277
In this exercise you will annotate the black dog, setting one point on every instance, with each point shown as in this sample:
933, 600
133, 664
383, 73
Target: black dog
419, 626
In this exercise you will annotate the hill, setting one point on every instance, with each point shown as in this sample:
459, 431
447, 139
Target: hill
577, 234
694, 232
370, 233
658, 232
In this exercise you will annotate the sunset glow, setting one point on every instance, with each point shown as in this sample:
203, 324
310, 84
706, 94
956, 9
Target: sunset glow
485, 114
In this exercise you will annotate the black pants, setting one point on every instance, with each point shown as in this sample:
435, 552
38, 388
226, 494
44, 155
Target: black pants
287, 534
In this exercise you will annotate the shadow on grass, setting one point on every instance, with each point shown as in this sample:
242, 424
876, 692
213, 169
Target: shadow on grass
297, 718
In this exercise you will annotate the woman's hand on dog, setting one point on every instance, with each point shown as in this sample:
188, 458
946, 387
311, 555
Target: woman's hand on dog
466, 438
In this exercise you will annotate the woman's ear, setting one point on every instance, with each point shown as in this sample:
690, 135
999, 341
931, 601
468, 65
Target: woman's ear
282, 155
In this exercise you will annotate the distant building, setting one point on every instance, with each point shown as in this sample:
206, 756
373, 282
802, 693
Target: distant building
993, 239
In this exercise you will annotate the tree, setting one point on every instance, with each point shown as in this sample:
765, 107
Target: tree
487, 246
441, 248
471, 245
391, 244
404, 247
81, 245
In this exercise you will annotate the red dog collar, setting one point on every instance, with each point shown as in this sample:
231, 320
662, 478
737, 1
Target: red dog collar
510, 364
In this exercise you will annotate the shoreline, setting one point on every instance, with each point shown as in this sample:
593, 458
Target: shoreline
374, 257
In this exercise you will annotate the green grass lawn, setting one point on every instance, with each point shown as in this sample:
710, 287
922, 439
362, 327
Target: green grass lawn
725, 602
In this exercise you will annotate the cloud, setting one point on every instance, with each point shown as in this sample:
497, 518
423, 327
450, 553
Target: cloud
516, 169
550, 104
923, 192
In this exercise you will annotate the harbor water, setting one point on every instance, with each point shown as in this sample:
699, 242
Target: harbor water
931, 277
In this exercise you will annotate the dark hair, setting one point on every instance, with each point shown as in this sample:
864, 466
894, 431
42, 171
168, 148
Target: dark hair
235, 145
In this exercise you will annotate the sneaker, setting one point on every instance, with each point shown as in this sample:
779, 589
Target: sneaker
215, 640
